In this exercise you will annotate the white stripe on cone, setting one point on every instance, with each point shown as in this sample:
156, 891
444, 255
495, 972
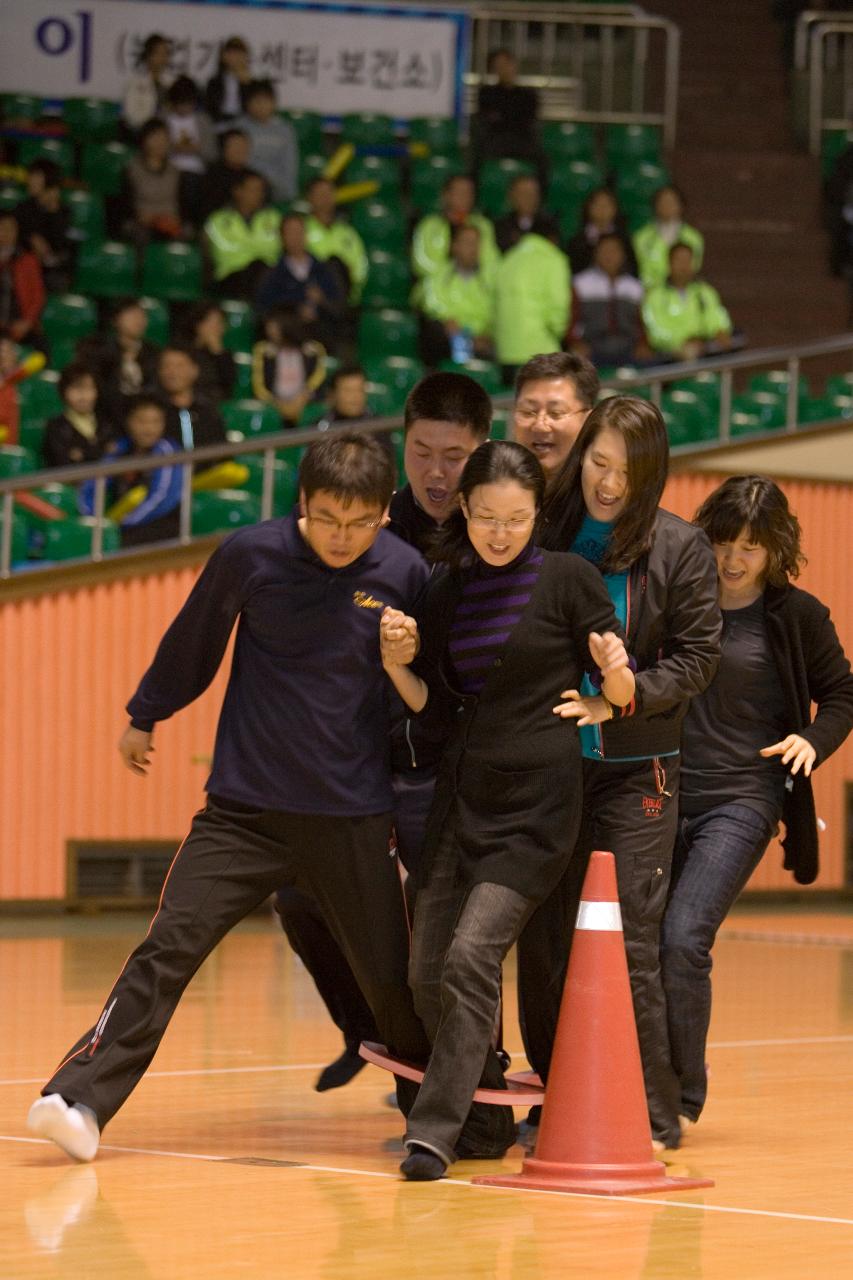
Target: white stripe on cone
603, 917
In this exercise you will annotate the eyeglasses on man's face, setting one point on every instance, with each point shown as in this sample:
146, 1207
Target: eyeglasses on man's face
339, 526
553, 414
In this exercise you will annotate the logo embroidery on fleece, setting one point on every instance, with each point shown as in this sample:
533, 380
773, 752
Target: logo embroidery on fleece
652, 806
365, 601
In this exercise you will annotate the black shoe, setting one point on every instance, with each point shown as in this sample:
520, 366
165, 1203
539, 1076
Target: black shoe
534, 1115
421, 1165
340, 1072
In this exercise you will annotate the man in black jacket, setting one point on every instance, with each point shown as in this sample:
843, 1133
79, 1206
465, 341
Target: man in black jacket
447, 416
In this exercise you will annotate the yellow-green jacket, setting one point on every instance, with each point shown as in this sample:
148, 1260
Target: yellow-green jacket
674, 316
532, 300
448, 294
431, 243
235, 243
653, 251
340, 240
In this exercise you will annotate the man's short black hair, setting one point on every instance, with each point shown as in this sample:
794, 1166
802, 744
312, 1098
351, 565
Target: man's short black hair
562, 364
347, 371
49, 170
257, 87
351, 467
182, 348
231, 133
450, 397
73, 373
143, 400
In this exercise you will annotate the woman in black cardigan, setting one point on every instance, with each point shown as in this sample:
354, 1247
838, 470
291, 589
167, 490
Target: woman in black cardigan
506, 633
749, 747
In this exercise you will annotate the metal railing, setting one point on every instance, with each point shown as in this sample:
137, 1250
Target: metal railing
823, 53
656, 378
579, 53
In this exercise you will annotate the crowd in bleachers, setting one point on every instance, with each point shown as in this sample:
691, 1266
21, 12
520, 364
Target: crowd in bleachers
197, 248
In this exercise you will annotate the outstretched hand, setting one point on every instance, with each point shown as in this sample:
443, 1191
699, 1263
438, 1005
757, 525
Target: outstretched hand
607, 652
589, 710
398, 638
794, 750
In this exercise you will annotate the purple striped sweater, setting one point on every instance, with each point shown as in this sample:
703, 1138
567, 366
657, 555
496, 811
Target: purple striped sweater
492, 601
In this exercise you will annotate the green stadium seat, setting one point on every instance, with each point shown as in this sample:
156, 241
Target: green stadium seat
11, 195
311, 165
494, 182
31, 436
842, 405
285, 481
91, 119
158, 320
383, 170
839, 384
382, 401
308, 126
172, 271
72, 539
368, 129
690, 418
440, 134
777, 381
62, 352
832, 143
380, 224
102, 166
15, 460
220, 510
387, 332
59, 150
38, 398
629, 142
428, 178
21, 106
243, 370
757, 411
106, 270
637, 183
500, 426
20, 537
250, 417
398, 373
68, 315
819, 409
486, 372
61, 496
706, 385
568, 187
86, 210
388, 281
240, 325
568, 140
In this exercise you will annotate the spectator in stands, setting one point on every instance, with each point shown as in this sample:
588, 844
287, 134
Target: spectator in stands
653, 242
348, 396
275, 151
242, 239
302, 283
22, 293
44, 224
10, 359
125, 362
333, 240
507, 121
204, 332
457, 304
192, 421
82, 432
600, 217
145, 95
218, 182
685, 318
607, 319
144, 503
288, 368
532, 301
155, 200
431, 241
191, 136
526, 214
224, 96
554, 396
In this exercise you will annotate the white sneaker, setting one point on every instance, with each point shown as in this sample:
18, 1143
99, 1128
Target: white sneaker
74, 1128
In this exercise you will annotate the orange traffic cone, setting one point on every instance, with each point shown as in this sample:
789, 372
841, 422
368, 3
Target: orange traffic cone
594, 1135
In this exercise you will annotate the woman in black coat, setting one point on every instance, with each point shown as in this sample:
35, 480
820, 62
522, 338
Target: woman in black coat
660, 574
506, 632
749, 748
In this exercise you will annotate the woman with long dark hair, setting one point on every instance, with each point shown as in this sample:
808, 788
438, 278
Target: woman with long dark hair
506, 633
659, 573
748, 750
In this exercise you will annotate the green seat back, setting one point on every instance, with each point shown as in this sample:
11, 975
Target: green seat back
72, 539
428, 178
568, 140
102, 166
690, 418
68, 315
398, 373
91, 119
387, 332
380, 224
240, 325
388, 281
632, 142
494, 182
250, 417
486, 372
59, 150
383, 170
38, 398
86, 210
158, 320
312, 165
172, 271
15, 460
308, 127
367, 128
106, 270
11, 195
285, 481
765, 406
441, 135
61, 496
21, 106
220, 510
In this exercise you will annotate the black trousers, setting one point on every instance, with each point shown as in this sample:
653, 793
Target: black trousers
631, 810
231, 861
311, 938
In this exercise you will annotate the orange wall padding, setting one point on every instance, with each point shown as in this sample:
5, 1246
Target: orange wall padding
69, 660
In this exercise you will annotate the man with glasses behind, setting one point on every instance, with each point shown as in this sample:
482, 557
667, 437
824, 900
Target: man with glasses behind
554, 395
300, 788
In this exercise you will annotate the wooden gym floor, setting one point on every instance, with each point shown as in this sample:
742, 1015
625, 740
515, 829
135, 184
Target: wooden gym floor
225, 1162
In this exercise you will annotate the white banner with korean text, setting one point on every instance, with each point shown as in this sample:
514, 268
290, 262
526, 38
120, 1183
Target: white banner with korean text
329, 58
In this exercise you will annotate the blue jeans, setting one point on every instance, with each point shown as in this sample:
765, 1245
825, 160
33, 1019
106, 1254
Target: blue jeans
715, 854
